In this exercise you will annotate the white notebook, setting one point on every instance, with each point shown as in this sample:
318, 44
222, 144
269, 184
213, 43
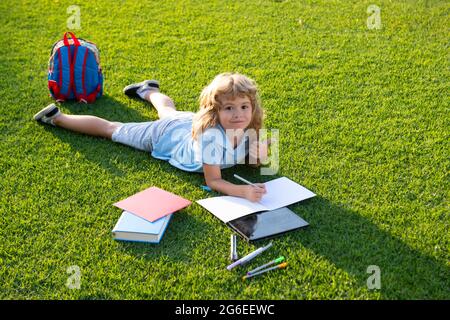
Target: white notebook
281, 192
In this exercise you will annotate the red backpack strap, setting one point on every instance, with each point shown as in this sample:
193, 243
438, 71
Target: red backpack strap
87, 98
74, 39
72, 59
72, 71
83, 75
91, 97
79, 63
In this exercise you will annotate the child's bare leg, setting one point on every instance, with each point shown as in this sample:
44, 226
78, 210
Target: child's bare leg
163, 104
90, 125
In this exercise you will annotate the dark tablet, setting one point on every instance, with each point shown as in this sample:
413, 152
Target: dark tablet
265, 224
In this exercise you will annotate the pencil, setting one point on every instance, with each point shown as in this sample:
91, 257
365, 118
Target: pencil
246, 181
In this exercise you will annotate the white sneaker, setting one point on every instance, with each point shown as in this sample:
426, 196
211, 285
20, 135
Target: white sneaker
138, 90
47, 114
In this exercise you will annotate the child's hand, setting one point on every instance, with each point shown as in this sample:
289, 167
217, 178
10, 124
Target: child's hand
255, 194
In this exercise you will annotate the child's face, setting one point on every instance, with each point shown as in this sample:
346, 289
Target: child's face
235, 112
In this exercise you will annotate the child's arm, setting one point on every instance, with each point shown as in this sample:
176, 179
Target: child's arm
213, 178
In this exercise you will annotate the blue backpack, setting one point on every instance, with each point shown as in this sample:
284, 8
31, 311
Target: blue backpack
74, 70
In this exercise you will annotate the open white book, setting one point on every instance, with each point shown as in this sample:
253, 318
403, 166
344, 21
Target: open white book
281, 192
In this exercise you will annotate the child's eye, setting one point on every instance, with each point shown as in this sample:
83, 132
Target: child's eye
245, 106
228, 108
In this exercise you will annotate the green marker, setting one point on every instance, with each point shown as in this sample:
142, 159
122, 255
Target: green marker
280, 266
277, 260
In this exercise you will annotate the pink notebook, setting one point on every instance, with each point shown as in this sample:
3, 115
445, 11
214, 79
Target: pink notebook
153, 203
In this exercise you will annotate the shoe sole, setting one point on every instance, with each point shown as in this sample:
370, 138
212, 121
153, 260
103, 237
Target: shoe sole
38, 116
131, 89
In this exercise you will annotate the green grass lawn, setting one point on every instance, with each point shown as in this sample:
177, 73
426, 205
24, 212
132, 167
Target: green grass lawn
364, 123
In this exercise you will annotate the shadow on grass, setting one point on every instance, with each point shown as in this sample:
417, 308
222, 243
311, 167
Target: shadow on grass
353, 243
345, 238
178, 243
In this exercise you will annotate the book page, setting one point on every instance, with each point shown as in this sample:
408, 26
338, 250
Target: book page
282, 192
228, 208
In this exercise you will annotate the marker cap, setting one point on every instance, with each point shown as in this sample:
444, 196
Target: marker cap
279, 259
234, 264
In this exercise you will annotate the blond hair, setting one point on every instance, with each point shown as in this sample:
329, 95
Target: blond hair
226, 85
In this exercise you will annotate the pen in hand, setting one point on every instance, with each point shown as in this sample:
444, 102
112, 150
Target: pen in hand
256, 194
246, 181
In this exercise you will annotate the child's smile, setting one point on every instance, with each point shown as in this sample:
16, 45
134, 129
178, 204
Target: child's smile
235, 112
